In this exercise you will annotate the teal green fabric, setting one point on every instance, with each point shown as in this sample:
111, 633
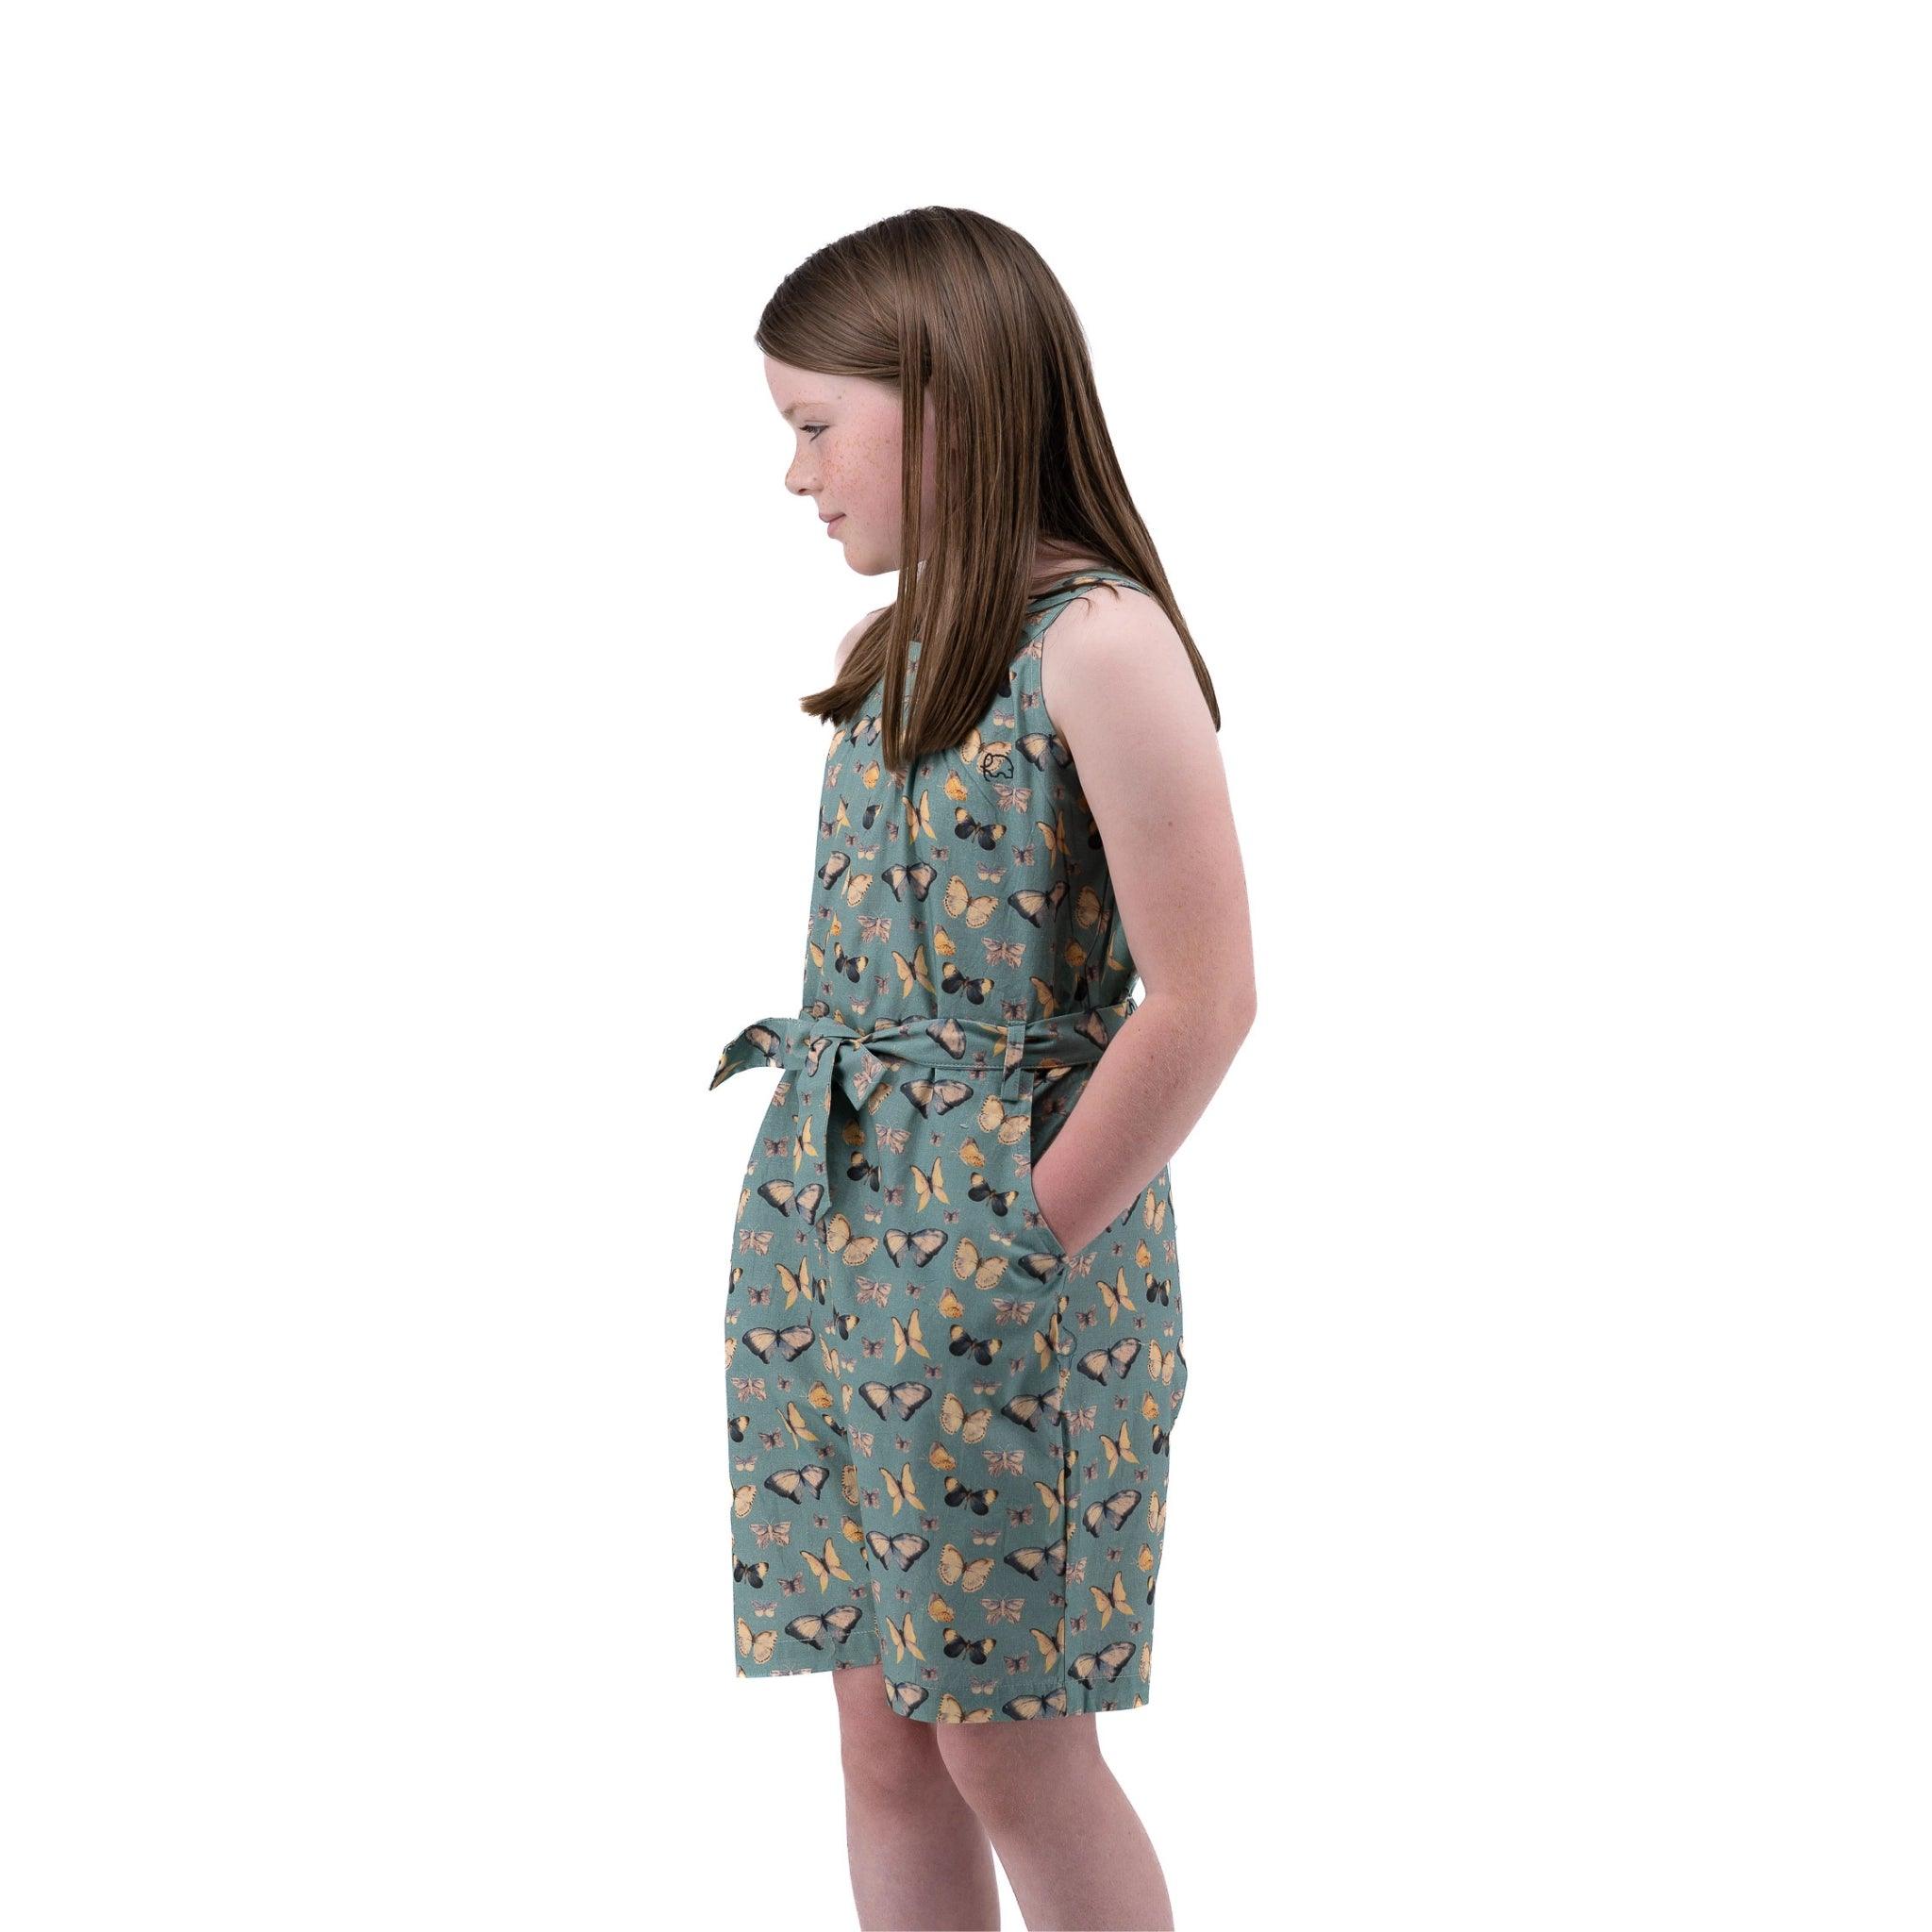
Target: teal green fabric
949, 1440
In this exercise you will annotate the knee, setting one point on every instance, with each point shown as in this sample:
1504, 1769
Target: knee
888, 1760
1007, 1790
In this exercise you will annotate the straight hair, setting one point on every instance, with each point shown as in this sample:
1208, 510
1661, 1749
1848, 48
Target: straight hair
946, 300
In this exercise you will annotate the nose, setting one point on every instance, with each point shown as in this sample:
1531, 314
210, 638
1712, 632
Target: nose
798, 477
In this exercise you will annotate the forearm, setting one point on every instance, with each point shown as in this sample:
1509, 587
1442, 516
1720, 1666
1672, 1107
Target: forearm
1141, 1102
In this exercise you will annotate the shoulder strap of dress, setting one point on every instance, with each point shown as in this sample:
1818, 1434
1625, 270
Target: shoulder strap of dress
1063, 593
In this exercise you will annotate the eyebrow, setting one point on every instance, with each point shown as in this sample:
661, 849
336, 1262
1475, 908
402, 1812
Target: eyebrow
790, 408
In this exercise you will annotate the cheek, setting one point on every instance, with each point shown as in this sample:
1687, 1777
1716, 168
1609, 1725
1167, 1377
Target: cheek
872, 475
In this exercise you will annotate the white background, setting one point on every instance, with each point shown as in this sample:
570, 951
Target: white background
403, 797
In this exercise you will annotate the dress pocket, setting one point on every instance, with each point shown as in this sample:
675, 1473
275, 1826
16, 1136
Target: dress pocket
1035, 1232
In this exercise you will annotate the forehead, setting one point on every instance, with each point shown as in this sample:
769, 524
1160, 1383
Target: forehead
798, 390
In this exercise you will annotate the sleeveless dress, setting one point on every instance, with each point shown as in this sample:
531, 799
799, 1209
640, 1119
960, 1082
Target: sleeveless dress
949, 1440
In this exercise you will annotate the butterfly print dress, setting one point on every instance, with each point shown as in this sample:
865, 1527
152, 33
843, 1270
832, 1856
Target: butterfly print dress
948, 1438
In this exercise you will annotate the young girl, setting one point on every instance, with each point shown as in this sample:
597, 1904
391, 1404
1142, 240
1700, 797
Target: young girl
953, 1354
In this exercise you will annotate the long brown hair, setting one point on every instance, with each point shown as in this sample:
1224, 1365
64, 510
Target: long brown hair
945, 299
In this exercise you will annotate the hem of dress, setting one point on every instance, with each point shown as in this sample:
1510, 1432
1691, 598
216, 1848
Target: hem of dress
928, 1712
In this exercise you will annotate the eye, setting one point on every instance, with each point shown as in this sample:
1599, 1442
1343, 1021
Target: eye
814, 429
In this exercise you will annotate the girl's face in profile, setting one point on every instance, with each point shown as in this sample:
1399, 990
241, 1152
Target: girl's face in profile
845, 458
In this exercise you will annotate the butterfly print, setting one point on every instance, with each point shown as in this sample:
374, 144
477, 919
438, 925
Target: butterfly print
949, 1440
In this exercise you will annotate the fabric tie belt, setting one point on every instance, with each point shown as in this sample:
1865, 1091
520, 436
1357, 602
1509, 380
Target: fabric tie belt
827, 1054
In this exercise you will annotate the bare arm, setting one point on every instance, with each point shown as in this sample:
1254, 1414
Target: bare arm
1121, 692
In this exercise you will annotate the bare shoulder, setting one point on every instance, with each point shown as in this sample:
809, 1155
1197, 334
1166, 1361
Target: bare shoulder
1113, 657
852, 637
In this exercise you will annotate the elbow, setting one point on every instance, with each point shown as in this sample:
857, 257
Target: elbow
1243, 1014
1234, 1012
1214, 1010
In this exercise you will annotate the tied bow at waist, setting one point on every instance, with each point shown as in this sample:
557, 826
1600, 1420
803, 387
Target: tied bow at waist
827, 1053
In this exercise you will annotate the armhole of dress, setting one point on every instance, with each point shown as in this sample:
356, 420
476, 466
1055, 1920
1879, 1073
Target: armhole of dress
1037, 644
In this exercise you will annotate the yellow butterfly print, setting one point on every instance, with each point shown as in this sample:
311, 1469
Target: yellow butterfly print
854, 1249
959, 901
1050, 1647
956, 1421
906, 1336
930, 1187
826, 1567
759, 1648
954, 1568
983, 1271
1007, 1128
1107, 1605
905, 1641
901, 1491
914, 972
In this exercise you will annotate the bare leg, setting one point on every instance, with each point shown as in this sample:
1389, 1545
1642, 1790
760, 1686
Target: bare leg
1073, 1848
920, 1860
